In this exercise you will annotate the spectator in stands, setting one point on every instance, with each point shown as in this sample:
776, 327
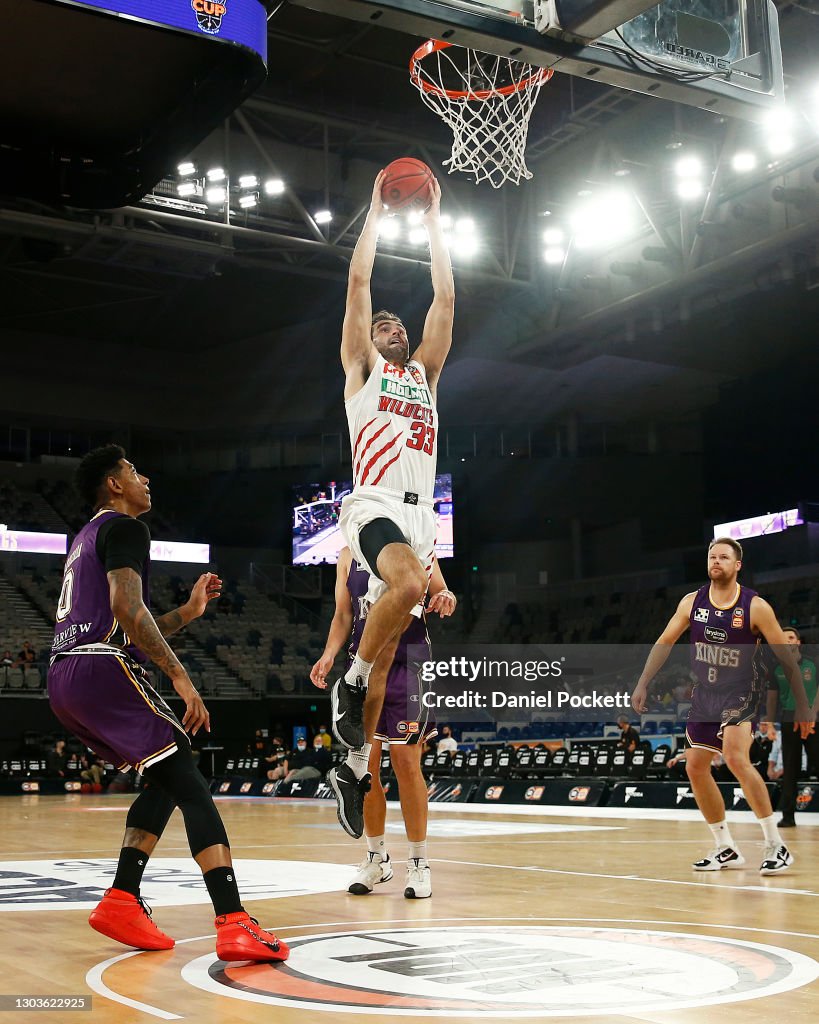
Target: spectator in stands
326, 738
775, 767
26, 655
7, 660
446, 741
260, 747
308, 764
792, 746
92, 768
57, 760
629, 736
276, 763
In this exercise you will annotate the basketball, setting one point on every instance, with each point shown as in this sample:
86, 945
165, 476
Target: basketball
407, 185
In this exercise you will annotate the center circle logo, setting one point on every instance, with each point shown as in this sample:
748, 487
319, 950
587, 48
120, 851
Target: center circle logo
533, 972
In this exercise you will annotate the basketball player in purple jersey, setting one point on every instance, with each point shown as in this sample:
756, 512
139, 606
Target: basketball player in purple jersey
388, 521
727, 623
404, 723
99, 690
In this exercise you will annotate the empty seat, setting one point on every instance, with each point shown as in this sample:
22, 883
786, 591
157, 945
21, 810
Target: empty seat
459, 762
637, 768
489, 761
524, 758
602, 761
443, 763
473, 762
428, 763
504, 761
560, 760
619, 762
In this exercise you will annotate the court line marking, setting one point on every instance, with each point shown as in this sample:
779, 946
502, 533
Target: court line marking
626, 878
102, 989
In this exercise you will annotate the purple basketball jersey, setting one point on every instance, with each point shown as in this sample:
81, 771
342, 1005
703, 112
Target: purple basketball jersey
725, 653
84, 613
358, 582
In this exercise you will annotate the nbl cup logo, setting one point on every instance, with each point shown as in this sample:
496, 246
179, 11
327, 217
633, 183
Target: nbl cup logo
209, 14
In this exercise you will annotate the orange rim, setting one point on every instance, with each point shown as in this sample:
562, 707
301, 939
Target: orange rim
539, 77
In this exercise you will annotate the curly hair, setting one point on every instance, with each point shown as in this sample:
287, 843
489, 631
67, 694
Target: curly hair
94, 470
384, 314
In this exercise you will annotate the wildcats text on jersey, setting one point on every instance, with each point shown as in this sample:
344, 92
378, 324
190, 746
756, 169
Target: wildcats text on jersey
409, 409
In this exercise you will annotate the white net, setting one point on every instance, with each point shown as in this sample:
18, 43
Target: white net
487, 101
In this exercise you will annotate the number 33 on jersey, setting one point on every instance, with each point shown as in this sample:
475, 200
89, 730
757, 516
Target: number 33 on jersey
394, 429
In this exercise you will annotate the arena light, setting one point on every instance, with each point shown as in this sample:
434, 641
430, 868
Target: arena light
464, 226
690, 188
779, 128
389, 228
446, 221
688, 167
187, 188
249, 201
248, 181
743, 161
554, 255
464, 245
415, 217
215, 195
553, 236
417, 236
322, 217
274, 187
216, 174
186, 169
603, 219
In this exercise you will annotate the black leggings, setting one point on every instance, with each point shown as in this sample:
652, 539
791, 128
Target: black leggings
177, 782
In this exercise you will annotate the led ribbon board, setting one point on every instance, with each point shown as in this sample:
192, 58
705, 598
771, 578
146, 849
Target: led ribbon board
234, 21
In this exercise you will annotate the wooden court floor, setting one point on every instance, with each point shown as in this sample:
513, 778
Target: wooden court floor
533, 916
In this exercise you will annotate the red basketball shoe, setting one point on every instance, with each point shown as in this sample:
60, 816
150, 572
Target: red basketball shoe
127, 918
239, 937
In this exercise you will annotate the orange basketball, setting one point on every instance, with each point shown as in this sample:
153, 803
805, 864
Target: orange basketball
407, 185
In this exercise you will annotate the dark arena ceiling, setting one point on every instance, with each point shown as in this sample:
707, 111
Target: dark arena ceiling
692, 295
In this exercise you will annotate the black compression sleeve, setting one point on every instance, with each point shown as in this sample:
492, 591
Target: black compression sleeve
123, 543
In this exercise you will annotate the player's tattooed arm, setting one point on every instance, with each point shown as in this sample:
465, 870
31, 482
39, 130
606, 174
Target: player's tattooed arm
125, 588
207, 588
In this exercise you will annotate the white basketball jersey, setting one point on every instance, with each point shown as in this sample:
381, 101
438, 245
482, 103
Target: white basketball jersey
394, 430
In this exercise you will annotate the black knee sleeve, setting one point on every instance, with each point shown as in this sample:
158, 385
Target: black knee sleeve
182, 781
375, 536
150, 811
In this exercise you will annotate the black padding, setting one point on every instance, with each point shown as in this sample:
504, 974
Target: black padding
182, 781
375, 536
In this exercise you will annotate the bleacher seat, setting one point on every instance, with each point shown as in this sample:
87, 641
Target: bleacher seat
656, 768
619, 762
584, 761
473, 759
385, 766
524, 759
428, 764
489, 761
504, 762
639, 762
560, 761
443, 763
570, 767
542, 761
602, 761
459, 762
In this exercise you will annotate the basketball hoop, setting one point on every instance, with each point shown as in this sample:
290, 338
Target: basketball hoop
486, 101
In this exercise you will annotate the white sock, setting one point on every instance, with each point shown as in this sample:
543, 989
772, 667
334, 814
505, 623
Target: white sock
359, 759
769, 829
377, 845
418, 851
721, 835
359, 669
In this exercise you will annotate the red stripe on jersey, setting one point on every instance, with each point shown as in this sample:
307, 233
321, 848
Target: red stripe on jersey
384, 470
375, 459
367, 445
358, 439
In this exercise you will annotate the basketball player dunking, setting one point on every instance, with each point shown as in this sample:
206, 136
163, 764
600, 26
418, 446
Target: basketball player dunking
404, 723
388, 521
727, 623
99, 690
